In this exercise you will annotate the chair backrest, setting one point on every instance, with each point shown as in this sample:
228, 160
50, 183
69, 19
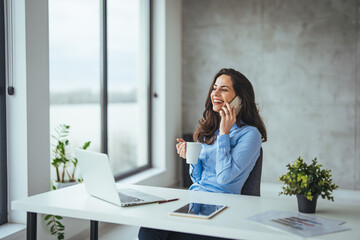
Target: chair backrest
252, 185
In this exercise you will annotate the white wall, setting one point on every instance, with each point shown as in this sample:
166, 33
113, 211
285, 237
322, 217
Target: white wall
166, 77
28, 111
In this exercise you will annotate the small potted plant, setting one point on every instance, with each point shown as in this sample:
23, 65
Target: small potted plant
307, 182
62, 158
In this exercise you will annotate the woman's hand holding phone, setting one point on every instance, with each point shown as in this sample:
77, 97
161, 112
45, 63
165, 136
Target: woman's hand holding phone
181, 147
228, 118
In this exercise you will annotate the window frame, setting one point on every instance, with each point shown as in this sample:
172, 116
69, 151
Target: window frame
3, 148
104, 85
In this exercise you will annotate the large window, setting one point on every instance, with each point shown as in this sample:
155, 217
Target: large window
99, 77
3, 161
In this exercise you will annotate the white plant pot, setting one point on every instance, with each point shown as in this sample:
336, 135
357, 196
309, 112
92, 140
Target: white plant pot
59, 185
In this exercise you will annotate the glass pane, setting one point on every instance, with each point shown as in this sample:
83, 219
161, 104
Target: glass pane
127, 64
74, 70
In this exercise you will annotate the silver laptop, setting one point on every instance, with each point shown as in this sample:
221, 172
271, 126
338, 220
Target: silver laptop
100, 183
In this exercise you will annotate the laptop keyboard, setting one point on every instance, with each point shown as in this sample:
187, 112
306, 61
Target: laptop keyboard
126, 198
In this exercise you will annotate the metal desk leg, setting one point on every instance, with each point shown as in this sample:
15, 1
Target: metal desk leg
94, 230
31, 226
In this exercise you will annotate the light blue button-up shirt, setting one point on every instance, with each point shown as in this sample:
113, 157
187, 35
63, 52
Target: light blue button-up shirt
225, 165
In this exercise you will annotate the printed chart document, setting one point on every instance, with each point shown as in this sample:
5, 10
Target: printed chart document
300, 224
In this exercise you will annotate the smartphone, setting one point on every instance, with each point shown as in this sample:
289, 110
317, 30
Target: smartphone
236, 102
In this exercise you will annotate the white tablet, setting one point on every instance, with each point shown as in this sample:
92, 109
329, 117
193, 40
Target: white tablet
199, 210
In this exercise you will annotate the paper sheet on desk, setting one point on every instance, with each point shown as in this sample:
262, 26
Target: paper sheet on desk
300, 224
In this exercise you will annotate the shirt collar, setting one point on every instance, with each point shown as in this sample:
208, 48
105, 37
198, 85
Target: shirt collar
234, 127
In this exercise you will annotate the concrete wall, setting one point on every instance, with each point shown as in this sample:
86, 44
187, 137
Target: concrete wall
301, 57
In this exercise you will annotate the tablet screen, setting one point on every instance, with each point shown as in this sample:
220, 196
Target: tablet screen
199, 210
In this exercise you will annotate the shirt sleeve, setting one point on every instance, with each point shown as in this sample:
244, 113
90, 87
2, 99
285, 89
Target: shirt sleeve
230, 163
195, 172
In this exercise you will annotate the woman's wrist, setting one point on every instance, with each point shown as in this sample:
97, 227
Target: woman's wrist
223, 133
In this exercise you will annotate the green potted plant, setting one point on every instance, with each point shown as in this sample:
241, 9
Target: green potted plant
61, 160
307, 182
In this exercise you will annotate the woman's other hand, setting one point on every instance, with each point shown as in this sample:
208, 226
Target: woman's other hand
181, 147
228, 118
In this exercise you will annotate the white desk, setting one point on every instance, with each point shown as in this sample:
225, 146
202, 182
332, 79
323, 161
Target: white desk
74, 202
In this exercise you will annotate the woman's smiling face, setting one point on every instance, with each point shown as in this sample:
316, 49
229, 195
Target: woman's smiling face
222, 92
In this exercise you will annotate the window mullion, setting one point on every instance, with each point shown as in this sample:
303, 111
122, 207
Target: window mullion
104, 76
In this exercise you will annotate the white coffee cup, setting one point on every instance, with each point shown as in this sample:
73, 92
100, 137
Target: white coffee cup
192, 152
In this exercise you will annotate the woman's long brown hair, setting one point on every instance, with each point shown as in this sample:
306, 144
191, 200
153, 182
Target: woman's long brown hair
249, 113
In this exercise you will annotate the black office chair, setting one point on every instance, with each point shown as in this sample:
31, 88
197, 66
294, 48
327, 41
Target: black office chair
252, 185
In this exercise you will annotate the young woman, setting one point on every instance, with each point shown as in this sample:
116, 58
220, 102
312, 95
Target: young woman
231, 142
